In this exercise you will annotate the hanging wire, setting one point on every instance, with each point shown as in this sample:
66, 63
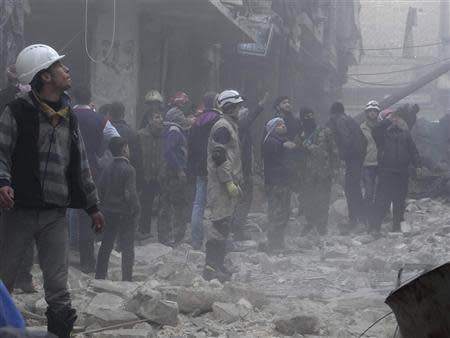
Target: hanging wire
405, 47
401, 70
381, 84
86, 34
375, 323
70, 41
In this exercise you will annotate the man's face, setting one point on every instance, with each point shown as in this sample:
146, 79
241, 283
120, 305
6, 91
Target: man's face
285, 105
59, 76
157, 120
372, 114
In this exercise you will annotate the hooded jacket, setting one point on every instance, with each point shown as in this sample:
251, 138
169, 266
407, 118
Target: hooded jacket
198, 142
277, 170
174, 143
396, 148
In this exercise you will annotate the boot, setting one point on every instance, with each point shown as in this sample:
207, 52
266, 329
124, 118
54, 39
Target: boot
61, 323
215, 256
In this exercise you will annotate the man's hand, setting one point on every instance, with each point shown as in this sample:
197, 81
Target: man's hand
6, 197
98, 222
233, 190
289, 145
263, 100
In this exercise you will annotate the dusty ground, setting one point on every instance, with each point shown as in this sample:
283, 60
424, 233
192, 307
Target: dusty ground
333, 286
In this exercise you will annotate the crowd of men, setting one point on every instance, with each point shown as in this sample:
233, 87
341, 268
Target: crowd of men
69, 172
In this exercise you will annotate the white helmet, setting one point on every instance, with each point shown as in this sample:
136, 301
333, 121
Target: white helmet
153, 95
372, 105
33, 59
229, 96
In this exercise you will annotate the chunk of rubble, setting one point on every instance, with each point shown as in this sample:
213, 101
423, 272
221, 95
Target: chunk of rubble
225, 312
198, 299
122, 289
124, 333
235, 292
149, 253
298, 324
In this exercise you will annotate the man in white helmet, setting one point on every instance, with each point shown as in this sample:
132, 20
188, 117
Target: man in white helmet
224, 177
370, 166
43, 170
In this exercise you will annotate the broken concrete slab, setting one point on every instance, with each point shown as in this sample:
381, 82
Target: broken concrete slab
124, 333
122, 289
151, 252
237, 291
298, 324
225, 312
163, 312
198, 299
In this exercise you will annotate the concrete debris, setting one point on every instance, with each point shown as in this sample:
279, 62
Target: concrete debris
298, 324
225, 312
331, 286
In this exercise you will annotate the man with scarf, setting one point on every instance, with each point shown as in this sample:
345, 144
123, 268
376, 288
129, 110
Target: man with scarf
278, 175
174, 190
396, 153
43, 170
321, 164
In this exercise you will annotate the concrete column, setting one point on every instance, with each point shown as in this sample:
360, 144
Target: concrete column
116, 78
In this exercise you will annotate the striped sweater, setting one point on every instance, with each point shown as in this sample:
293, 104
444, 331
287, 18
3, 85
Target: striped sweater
54, 146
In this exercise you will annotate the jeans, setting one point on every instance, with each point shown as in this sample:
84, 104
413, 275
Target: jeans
123, 226
72, 218
369, 179
86, 238
48, 227
150, 190
198, 211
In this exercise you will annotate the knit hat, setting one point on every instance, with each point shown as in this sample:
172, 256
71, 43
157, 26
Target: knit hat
175, 115
271, 125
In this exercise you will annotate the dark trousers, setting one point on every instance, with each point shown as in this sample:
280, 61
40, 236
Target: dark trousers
86, 238
243, 207
216, 245
279, 210
150, 190
391, 188
24, 274
174, 210
352, 189
369, 179
124, 227
49, 229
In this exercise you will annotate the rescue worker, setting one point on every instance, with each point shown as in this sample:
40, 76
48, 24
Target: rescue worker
224, 177
174, 209
149, 185
43, 170
370, 165
197, 163
13, 88
396, 153
277, 181
351, 145
321, 164
120, 202
246, 119
154, 106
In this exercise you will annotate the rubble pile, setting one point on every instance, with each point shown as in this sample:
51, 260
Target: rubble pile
334, 286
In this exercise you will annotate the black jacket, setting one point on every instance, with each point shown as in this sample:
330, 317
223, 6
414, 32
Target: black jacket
349, 137
198, 143
245, 138
117, 188
277, 168
396, 148
129, 134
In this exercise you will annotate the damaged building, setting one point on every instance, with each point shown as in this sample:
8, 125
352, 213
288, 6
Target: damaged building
123, 49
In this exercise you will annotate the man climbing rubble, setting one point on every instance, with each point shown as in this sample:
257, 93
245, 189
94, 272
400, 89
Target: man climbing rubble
396, 153
224, 178
43, 170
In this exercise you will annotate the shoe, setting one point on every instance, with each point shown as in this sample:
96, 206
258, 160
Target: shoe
61, 323
210, 273
26, 287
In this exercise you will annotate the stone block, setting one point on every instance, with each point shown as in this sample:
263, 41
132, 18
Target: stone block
225, 312
297, 325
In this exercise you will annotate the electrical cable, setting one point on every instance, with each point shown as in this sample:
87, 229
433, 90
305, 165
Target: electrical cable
70, 41
375, 323
381, 84
405, 47
86, 34
400, 70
